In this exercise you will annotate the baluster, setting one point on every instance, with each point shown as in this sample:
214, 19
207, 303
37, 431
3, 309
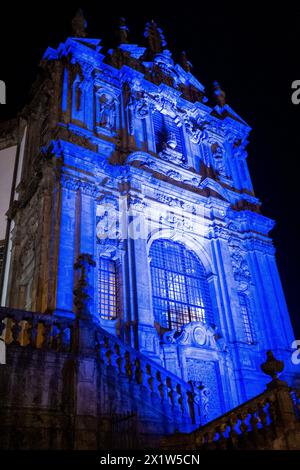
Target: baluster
221, 430
253, 419
170, 392
44, 339
65, 337
128, 366
26, 333
262, 415
32, 332
8, 330
164, 389
185, 404
114, 356
137, 372
155, 383
273, 411
180, 398
16, 330
174, 398
209, 437
60, 329
233, 435
122, 364
199, 440
145, 376
101, 348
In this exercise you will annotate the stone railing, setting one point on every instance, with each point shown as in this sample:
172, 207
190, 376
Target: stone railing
28, 329
233, 428
164, 389
268, 421
175, 395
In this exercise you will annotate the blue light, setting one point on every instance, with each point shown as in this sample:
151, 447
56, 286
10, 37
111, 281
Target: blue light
136, 125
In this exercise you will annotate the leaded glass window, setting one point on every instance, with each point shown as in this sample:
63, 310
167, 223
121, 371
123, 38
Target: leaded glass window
179, 286
246, 318
107, 289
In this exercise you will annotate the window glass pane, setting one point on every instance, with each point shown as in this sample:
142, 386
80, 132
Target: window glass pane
179, 286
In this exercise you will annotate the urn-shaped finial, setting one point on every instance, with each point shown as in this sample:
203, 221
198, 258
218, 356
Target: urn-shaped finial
272, 366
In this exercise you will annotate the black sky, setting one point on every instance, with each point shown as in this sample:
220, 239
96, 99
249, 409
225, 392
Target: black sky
253, 51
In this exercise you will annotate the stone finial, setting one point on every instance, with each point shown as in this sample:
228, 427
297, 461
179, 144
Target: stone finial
79, 24
272, 366
82, 291
155, 37
184, 62
123, 31
220, 95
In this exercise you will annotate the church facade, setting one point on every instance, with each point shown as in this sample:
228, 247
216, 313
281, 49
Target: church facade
128, 164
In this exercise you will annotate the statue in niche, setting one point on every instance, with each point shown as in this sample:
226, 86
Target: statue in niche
78, 95
205, 402
107, 112
141, 109
218, 154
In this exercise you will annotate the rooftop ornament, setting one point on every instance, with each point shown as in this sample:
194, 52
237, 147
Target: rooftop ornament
79, 25
155, 38
185, 63
220, 95
123, 31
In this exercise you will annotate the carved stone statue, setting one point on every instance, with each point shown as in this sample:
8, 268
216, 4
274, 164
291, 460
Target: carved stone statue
155, 37
107, 112
123, 32
218, 154
79, 25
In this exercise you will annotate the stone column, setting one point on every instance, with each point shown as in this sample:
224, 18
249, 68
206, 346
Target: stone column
66, 254
147, 334
86, 369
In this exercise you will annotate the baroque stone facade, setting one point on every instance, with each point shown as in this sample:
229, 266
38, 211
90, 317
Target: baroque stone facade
129, 166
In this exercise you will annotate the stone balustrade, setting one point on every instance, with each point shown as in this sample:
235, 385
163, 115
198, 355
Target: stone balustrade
256, 416
268, 421
175, 395
28, 329
164, 389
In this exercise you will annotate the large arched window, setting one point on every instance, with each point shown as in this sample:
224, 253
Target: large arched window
179, 286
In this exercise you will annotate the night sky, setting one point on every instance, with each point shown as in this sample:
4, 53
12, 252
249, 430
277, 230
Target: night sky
253, 53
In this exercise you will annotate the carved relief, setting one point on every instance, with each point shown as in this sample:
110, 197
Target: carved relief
204, 374
240, 266
195, 334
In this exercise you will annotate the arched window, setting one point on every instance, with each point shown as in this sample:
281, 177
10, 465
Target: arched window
246, 318
179, 286
108, 289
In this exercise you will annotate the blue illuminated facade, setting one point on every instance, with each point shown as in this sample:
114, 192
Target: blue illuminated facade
152, 181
